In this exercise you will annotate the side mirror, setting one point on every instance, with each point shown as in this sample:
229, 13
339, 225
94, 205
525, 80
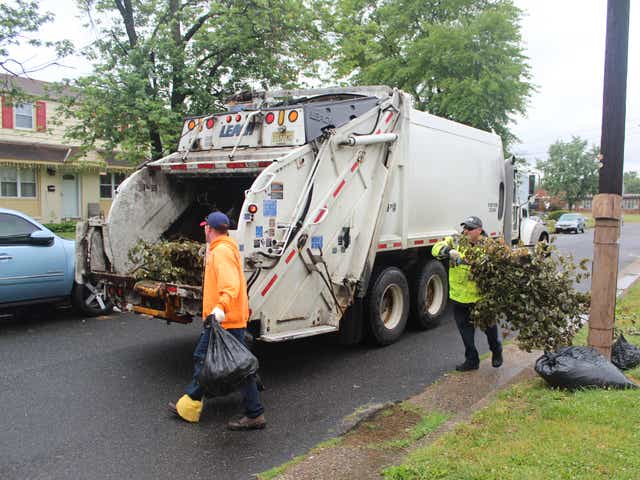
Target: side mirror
40, 237
532, 185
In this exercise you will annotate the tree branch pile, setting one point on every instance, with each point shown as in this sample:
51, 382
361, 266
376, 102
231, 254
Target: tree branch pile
531, 292
178, 261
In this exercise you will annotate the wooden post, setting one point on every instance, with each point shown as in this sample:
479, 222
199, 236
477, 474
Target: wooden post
607, 204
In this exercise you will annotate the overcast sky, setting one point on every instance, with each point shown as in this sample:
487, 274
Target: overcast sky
564, 40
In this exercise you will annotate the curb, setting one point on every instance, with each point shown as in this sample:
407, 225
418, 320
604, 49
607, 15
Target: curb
628, 277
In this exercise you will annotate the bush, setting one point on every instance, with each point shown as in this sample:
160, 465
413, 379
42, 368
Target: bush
530, 292
63, 227
555, 215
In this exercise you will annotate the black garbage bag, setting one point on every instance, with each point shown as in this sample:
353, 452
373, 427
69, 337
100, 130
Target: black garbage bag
579, 367
625, 355
227, 363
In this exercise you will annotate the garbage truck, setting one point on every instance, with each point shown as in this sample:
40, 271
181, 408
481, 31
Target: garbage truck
336, 197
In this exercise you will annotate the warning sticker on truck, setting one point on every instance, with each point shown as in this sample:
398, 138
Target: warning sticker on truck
259, 232
282, 138
316, 242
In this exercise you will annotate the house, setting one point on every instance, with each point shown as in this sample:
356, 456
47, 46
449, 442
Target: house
630, 203
41, 173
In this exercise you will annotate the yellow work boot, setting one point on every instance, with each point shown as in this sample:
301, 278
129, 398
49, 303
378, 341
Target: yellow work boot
187, 409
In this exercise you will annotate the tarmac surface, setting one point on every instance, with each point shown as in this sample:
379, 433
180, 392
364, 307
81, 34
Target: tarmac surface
86, 398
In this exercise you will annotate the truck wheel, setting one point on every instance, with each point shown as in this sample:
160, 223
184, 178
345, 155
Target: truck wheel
387, 306
430, 294
89, 299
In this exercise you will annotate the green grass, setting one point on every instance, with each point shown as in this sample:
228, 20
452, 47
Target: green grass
533, 432
428, 423
65, 229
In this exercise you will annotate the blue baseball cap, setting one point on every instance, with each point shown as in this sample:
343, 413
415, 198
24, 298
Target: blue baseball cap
217, 220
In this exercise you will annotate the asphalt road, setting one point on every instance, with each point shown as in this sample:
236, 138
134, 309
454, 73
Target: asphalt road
86, 398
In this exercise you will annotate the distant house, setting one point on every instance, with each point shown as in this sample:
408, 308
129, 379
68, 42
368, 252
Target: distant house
630, 203
43, 175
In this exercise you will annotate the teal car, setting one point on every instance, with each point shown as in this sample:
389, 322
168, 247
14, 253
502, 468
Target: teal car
37, 266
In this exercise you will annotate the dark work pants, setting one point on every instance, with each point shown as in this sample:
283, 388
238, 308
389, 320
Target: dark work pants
250, 396
467, 329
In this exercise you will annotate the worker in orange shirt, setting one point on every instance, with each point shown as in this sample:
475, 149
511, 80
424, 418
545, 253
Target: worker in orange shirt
224, 297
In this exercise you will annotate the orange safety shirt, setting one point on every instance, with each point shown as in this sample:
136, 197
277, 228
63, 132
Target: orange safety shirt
224, 283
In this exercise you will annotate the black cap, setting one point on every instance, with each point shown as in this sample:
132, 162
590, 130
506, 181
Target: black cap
471, 223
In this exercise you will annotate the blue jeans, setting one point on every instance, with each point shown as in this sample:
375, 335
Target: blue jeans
250, 396
467, 331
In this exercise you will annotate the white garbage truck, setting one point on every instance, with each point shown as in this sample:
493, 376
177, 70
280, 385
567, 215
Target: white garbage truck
336, 197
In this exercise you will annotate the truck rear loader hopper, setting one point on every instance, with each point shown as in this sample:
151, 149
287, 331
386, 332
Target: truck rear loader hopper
336, 195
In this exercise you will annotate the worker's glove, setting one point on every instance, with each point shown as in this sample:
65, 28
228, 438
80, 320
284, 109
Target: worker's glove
454, 257
218, 314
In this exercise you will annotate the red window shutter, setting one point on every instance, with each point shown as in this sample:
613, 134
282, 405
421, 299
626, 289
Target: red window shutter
7, 114
41, 116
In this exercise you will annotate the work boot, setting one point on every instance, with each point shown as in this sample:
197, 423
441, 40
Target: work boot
496, 359
187, 409
466, 366
246, 423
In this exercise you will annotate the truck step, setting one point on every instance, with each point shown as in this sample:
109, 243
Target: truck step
307, 332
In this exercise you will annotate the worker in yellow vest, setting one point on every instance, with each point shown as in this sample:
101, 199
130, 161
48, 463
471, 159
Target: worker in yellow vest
464, 293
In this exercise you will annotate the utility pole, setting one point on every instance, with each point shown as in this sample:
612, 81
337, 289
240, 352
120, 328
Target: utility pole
607, 204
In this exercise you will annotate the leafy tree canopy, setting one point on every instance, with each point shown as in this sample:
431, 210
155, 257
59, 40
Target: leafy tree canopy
461, 59
631, 182
159, 60
571, 170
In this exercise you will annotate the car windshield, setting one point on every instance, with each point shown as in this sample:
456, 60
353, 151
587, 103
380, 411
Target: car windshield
568, 217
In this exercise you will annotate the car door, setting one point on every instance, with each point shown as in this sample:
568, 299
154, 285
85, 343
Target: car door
28, 271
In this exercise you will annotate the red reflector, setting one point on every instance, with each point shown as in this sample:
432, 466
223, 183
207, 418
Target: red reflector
253, 208
378, 131
397, 244
236, 165
382, 246
269, 285
179, 167
172, 289
210, 122
493, 234
270, 117
206, 165
238, 117
337, 191
290, 256
120, 292
433, 240
354, 166
264, 164
386, 120
418, 242
320, 215
229, 118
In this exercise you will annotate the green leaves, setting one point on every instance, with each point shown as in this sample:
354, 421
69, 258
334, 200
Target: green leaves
531, 292
179, 261
461, 59
571, 170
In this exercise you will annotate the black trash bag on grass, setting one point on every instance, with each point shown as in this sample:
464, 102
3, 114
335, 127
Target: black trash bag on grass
580, 367
227, 364
625, 355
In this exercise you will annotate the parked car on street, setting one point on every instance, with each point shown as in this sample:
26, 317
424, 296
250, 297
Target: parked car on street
571, 222
37, 266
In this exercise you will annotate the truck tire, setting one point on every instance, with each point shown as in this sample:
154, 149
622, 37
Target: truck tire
429, 295
86, 302
387, 305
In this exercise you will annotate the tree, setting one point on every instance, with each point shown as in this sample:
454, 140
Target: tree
571, 170
460, 59
18, 21
159, 60
631, 182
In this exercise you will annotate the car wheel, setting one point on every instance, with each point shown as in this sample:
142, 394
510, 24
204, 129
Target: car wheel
387, 306
429, 295
90, 299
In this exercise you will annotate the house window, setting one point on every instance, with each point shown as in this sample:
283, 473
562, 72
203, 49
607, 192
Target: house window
108, 184
586, 203
17, 182
23, 115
